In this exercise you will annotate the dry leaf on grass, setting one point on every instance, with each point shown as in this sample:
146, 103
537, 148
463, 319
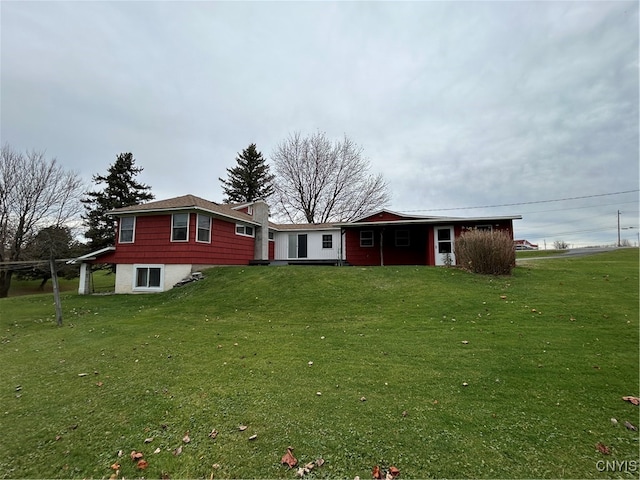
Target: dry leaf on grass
186, 438
631, 426
177, 451
142, 464
376, 473
634, 400
135, 456
602, 448
213, 434
289, 459
148, 440
115, 466
242, 428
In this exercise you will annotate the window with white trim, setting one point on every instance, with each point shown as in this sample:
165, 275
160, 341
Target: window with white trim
180, 227
148, 277
366, 238
327, 241
246, 230
402, 238
127, 228
204, 229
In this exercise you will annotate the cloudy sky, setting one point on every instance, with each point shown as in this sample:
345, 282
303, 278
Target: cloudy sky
467, 109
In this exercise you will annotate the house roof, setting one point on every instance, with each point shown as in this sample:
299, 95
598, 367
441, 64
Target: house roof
428, 220
304, 226
91, 255
185, 202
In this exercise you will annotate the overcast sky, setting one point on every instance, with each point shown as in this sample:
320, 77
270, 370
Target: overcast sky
457, 104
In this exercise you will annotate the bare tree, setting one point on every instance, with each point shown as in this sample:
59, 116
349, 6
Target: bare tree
319, 180
34, 193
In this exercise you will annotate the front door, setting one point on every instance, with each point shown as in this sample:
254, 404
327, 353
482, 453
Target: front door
444, 245
297, 245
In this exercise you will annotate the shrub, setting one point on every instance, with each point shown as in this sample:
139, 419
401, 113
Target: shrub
486, 252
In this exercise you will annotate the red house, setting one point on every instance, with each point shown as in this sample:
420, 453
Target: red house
159, 244
389, 238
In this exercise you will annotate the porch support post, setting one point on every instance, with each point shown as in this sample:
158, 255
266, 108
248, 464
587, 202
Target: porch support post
84, 288
382, 247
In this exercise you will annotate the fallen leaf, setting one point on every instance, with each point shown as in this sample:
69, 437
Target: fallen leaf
363, 399
503, 297
177, 451
376, 473
465, 342
603, 448
253, 437
135, 456
319, 462
58, 438
186, 438
115, 466
157, 450
289, 459
614, 421
394, 471
82, 374
142, 464
631, 426
148, 440
405, 413
309, 466
634, 400
465, 384
99, 384
213, 434
120, 453
242, 428
301, 471
165, 476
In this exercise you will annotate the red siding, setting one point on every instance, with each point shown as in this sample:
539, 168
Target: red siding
419, 252
153, 244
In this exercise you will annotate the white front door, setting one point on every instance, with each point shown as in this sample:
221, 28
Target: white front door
443, 240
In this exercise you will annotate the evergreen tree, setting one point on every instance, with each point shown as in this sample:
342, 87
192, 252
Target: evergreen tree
250, 180
121, 190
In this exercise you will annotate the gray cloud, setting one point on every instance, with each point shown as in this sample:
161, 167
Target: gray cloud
456, 103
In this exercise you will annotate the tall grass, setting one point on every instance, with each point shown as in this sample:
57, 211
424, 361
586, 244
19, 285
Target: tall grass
486, 251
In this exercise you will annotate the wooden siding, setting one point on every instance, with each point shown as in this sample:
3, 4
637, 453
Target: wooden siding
314, 245
420, 250
416, 253
153, 244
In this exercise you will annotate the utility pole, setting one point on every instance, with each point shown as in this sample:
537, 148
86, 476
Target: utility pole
618, 227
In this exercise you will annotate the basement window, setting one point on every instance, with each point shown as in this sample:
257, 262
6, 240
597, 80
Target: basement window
148, 277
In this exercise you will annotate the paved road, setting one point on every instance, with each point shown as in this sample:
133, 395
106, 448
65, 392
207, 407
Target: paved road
574, 252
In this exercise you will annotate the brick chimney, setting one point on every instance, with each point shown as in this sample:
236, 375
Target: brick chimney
261, 215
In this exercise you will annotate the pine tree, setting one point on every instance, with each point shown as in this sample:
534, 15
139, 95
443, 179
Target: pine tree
121, 190
250, 180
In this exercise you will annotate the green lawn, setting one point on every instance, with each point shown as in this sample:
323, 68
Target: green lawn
551, 351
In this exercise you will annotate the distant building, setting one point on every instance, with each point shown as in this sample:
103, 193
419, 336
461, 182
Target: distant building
524, 245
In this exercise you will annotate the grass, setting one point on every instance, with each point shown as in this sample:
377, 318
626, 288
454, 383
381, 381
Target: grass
538, 253
103, 281
551, 350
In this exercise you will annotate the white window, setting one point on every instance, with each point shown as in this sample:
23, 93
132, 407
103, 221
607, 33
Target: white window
180, 227
204, 229
402, 238
244, 230
127, 228
366, 238
148, 277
